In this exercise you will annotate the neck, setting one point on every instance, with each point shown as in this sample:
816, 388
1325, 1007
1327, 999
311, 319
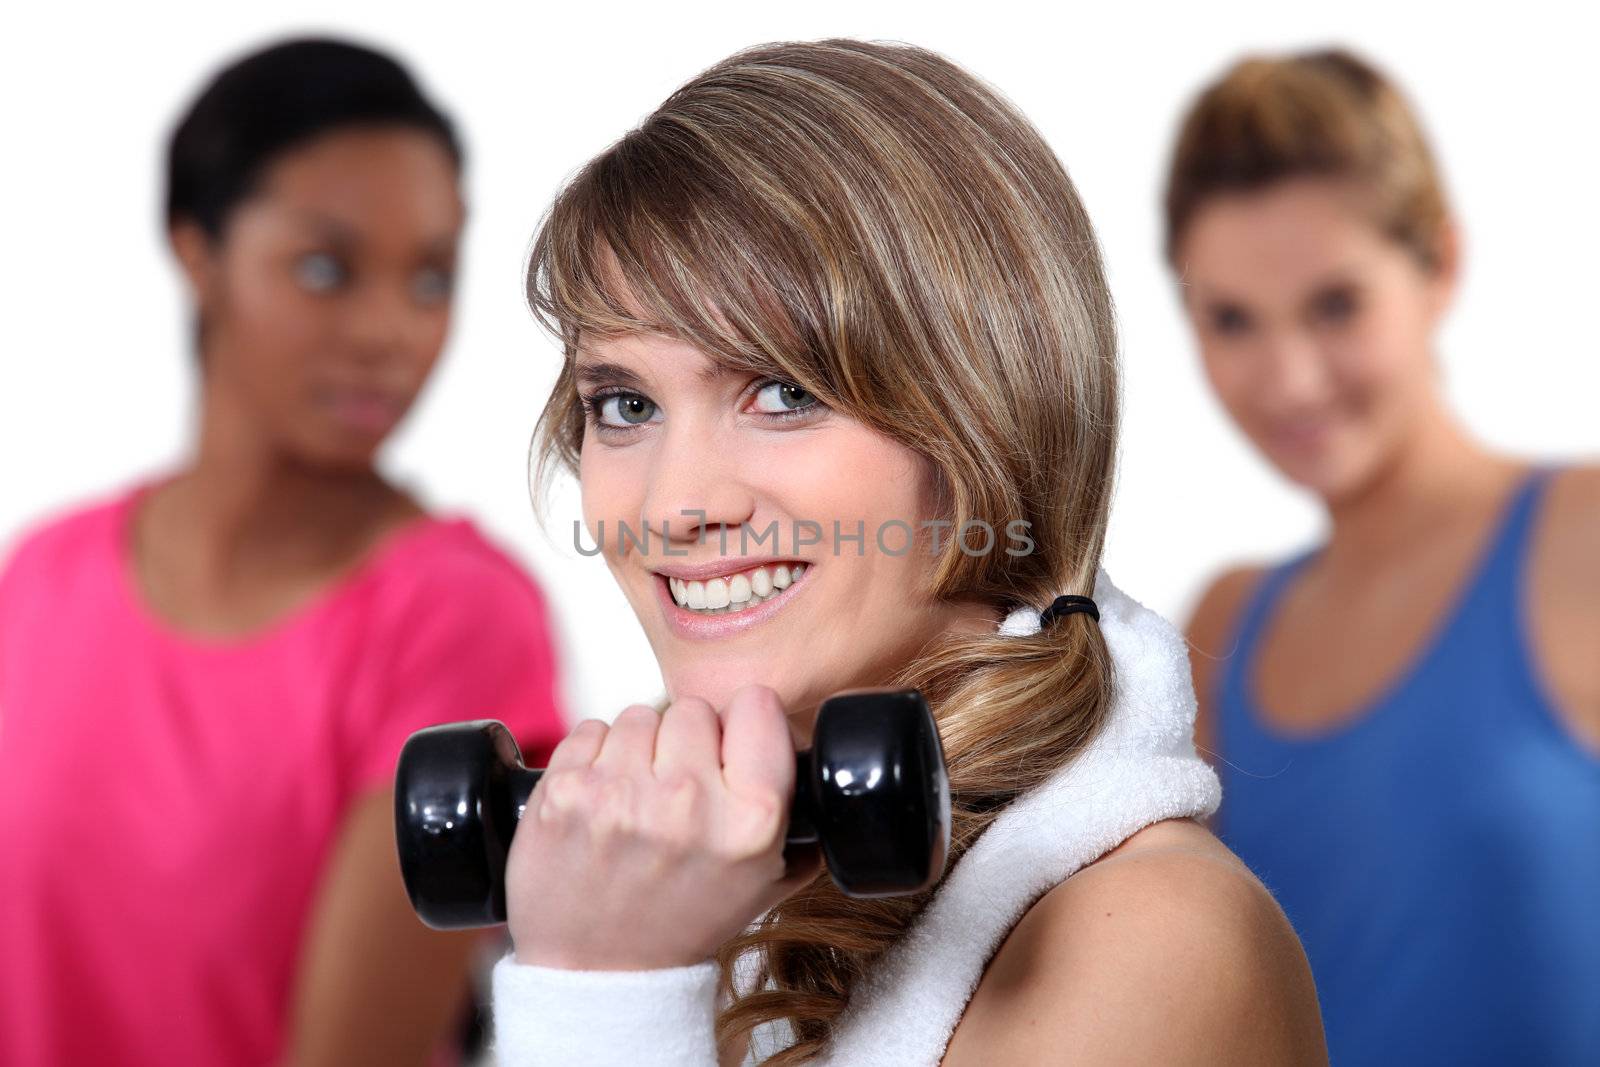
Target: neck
243, 496
1436, 475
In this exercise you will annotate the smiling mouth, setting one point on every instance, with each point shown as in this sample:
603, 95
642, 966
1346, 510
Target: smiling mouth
733, 593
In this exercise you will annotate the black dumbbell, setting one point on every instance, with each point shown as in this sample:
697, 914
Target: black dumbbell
871, 791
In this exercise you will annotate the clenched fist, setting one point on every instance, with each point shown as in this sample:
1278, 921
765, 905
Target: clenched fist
650, 842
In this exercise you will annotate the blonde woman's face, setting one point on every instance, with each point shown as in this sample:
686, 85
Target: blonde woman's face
715, 495
1315, 329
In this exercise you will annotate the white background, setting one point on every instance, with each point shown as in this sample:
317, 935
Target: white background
95, 382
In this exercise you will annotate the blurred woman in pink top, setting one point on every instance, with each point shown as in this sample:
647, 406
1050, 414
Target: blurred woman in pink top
205, 679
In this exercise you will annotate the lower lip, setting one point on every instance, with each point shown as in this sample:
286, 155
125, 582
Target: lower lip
1302, 439
698, 627
368, 414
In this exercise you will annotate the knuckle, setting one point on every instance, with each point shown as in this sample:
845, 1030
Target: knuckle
566, 795
757, 826
682, 798
673, 819
769, 814
615, 811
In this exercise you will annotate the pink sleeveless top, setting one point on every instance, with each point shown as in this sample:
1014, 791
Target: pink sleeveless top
167, 802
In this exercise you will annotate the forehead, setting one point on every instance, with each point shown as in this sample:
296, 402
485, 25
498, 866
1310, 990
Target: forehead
1277, 241
379, 183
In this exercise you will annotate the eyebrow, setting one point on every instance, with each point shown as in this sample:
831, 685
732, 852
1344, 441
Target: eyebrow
342, 234
617, 374
333, 228
1347, 274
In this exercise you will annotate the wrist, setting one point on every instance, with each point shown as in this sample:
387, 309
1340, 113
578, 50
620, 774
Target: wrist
621, 960
545, 1015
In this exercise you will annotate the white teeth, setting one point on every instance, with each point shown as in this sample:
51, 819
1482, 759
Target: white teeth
760, 581
735, 592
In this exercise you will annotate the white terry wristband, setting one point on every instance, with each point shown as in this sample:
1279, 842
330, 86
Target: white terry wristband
544, 1015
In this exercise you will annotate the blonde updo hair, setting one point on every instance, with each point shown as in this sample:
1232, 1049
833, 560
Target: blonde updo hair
875, 225
1326, 114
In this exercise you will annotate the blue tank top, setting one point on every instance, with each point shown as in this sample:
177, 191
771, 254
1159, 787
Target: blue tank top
1439, 854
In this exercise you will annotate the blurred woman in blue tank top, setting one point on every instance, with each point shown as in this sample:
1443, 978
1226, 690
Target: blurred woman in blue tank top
1407, 716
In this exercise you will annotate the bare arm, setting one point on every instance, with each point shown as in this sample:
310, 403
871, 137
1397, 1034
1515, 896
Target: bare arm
375, 987
1173, 954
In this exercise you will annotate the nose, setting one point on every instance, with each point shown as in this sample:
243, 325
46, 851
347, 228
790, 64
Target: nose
698, 496
382, 323
1293, 370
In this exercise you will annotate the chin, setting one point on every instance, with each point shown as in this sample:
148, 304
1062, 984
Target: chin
341, 456
716, 683
1334, 475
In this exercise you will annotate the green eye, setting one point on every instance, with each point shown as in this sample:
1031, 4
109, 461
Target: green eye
774, 398
318, 272
626, 409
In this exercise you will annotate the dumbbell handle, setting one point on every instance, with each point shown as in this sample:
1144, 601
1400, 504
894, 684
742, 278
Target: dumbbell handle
802, 829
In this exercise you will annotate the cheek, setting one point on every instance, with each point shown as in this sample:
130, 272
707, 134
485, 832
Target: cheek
1384, 359
889, 490
854, 477
609, 493
1230, 372
276, 325
426, 339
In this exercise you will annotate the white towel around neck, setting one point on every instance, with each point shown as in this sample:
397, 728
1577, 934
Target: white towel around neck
1140, 769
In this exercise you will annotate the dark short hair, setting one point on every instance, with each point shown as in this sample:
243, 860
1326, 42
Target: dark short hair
276, 99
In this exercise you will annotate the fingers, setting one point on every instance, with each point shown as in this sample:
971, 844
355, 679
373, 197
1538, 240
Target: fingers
579, 748
757, 752
689, 741
631, 741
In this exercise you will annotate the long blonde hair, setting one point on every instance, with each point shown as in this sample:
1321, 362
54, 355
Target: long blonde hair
875, 225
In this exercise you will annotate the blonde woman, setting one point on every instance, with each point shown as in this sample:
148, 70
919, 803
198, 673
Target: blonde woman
845, 290
1407, 716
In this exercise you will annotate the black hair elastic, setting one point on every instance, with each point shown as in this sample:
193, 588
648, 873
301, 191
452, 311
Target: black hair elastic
1068, 605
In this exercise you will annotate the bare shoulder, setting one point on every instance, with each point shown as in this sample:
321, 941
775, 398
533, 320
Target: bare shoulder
1571, 525
1166, 950
1217, 610
1209, 630
1565, 599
